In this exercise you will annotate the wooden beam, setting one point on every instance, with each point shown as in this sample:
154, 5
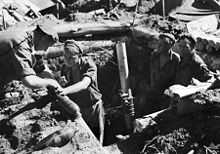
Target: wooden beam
72, 30
148, 120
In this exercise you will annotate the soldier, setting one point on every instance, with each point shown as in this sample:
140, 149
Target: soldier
191, 64
192, 73
82, 87
16, 55
178, 65
163, 67
164, 63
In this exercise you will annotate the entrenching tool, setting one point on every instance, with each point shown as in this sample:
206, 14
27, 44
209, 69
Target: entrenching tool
7, 127
40, 103
76, 132
67, 104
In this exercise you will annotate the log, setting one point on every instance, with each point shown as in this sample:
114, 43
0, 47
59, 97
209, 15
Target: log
66, 30
148, 33
71, 30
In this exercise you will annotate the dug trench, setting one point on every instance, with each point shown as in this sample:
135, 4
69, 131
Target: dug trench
179, 134
25, 130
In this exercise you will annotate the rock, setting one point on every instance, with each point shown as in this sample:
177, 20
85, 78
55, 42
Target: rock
75, 138
57, 139
12, 94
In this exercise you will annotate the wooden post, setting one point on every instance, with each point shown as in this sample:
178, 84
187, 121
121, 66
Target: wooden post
135, 13
3, 20
58, 10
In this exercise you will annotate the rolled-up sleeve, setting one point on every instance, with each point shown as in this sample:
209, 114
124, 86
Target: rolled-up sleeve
90, 69
201, 70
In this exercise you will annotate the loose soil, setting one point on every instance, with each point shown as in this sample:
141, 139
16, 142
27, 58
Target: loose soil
198, 131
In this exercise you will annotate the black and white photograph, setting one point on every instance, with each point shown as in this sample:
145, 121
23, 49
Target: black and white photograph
109, 76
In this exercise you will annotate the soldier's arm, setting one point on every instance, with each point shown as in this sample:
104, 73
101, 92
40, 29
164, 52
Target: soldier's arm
89, 76
77, 87
34, 82
202, 71
52, 52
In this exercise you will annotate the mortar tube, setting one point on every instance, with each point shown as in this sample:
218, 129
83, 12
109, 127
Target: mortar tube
129, 112
123, 74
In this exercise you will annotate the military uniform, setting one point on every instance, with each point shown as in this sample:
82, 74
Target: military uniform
194, 67
89, 100
162, 74
16, 58
163, 70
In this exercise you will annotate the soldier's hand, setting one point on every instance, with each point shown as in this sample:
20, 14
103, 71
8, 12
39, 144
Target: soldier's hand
63, 81
215, 84
124, 97
62, 92
54, 85
39, 53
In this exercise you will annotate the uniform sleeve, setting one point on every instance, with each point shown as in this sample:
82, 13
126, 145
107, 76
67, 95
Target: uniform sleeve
90, 69
201, 70
23, 62
55, 51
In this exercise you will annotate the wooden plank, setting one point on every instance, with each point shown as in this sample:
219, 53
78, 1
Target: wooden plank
184, 91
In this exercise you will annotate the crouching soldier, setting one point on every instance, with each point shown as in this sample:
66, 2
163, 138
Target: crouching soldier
192, 74
191, 64
17, 55
81, 75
